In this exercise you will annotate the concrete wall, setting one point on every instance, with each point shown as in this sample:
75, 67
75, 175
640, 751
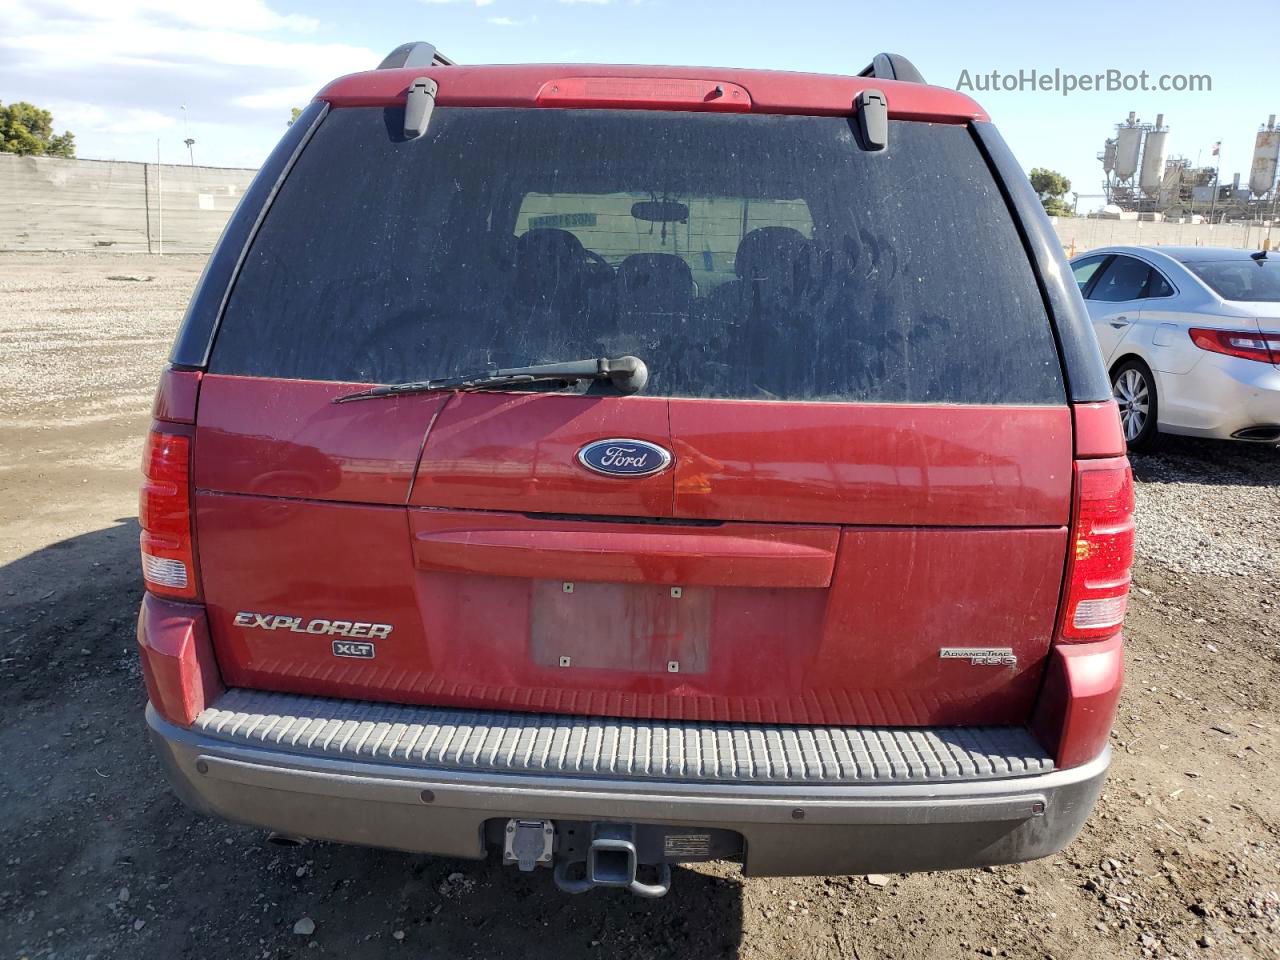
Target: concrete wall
1086, 234
51, 204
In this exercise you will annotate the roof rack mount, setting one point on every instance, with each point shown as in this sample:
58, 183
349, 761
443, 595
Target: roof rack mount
419, 53
892, 66
416, 53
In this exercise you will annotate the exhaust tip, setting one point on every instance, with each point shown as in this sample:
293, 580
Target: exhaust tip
1267, 434
286, 840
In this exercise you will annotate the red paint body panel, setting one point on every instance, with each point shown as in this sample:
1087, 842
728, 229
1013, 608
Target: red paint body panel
769, 91
518, 451
1098, 430
310, 559
872, 464
905, 594
285, 438
1077, 707
512, 545
176, 396
177, 659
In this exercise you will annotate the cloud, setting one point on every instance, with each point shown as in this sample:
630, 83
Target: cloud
277, 98
594, 3
81, 116
478, 3
251, 16
118, 72
509, 22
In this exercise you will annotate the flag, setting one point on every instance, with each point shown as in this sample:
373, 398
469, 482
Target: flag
1217, 146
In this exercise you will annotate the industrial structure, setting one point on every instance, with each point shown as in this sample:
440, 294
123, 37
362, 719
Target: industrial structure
1144, 182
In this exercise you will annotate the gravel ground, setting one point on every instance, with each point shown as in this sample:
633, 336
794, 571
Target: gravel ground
1181, 857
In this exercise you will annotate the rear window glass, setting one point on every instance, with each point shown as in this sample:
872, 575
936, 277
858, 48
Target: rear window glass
1252, 280
707, 238
764, 257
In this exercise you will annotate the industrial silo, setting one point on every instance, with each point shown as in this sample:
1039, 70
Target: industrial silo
1128, 146
1109, 156
1266, 149
1152, 175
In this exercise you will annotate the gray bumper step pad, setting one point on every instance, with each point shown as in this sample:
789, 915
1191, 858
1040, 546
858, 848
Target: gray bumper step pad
554, 744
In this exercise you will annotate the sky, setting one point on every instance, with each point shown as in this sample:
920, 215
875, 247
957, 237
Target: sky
122, 74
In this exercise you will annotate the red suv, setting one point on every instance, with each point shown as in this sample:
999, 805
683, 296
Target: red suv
612, 467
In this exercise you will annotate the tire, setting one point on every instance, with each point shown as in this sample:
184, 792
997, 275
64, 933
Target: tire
1134, 388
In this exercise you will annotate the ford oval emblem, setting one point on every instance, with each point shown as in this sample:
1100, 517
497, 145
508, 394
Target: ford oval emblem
621, 457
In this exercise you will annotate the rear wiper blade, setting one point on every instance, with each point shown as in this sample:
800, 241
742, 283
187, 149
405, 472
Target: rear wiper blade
627, 374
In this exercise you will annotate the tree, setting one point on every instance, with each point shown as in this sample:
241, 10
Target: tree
294, 115
27, 130
1051, 186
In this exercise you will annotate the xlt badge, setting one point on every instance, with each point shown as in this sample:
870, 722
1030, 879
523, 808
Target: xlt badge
353, 648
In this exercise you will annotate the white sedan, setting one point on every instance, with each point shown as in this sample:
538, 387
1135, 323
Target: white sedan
1191, 338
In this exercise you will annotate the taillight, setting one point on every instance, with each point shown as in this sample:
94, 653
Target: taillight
1245, 344
1101, 559
164, 513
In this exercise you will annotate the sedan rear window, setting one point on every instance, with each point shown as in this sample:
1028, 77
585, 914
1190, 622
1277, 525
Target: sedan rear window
1245, 279
765, 257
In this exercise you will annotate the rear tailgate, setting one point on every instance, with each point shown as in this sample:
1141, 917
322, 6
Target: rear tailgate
814, 568
864, 519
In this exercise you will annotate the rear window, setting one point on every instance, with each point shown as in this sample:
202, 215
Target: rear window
1252, 280
763, 257
706, 238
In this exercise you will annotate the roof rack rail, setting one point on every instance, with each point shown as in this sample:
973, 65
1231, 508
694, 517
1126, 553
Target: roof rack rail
416, 53
892, 66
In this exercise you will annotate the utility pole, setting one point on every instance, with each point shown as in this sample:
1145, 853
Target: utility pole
1192, 188
191, 157
1217, 173
159, 204
1275, 195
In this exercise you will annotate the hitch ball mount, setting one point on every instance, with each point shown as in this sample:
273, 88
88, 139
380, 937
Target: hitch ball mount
611, 860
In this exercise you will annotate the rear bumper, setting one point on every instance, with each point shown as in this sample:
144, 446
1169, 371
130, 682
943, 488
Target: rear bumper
788, 829
1220, 397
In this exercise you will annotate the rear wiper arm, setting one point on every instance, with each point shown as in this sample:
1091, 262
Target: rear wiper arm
627, 374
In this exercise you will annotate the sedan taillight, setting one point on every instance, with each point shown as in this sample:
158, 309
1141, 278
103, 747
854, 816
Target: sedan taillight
1245, 344
1101, 560
164, 513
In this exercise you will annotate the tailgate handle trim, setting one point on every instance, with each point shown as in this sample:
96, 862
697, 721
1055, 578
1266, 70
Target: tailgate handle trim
760, 558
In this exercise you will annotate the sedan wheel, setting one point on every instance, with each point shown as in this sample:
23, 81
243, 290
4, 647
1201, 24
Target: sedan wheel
1135, 393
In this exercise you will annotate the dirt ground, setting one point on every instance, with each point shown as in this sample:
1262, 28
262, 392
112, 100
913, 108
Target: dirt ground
1181, 857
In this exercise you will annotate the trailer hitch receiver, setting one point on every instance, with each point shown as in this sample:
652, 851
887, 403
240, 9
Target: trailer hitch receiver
612, 862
